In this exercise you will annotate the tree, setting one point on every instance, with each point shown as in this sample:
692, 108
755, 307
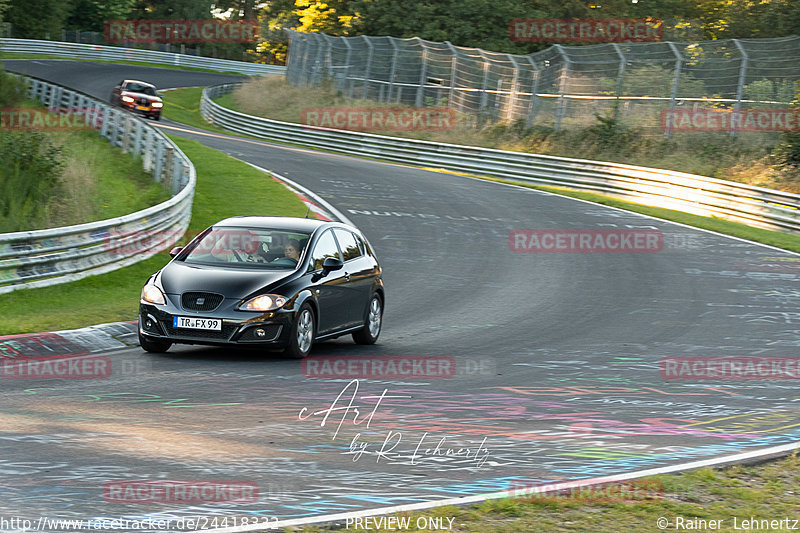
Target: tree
38, 19
237, 9
172, 9
91, 15
3, 8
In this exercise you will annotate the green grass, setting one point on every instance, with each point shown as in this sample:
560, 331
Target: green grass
120, 185
764, 491
183, 105
11, 55
225, 187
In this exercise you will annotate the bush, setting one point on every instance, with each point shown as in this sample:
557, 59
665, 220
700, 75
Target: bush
12, 90
29, 177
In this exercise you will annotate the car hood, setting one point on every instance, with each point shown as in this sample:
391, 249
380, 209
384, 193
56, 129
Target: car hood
149, 97
178, 277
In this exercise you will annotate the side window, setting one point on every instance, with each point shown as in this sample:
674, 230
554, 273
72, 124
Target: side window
348, 244
325, 247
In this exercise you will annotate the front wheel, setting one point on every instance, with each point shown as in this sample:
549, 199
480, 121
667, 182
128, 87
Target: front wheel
372, 323
153, 345
301, 336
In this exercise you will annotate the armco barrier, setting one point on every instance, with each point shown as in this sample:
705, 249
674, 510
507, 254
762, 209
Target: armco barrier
58, 255
114, 53
690, 193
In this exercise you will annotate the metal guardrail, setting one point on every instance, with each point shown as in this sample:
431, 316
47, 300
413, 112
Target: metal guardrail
690, 193
113, 53
58, 255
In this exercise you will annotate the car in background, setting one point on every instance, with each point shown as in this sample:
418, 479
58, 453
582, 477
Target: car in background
138, 97
271, 282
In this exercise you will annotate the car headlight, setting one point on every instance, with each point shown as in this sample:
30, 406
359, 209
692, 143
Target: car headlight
157, 104
152, 294
128, 99
265, 302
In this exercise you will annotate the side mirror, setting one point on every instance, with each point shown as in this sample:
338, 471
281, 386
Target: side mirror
331, 263
175, 251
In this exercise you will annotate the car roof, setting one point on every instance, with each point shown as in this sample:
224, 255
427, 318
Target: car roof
285, 223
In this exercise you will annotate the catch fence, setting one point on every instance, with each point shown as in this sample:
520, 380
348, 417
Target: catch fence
562, 86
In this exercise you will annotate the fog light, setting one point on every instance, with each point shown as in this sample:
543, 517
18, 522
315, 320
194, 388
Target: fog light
148, 324
260, 332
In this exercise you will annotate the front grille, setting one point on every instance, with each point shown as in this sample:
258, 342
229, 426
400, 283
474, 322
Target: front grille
144, 101
189, 333
201, 301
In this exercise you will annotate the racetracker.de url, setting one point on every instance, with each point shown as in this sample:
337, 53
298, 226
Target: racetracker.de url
196, 523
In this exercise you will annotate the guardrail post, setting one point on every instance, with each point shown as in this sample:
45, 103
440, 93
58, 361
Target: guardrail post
740, 86
675, 80
158, 160
177, 174
108, 121
147, 153
137, 138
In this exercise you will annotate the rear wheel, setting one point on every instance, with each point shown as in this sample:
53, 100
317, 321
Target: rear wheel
153, 345
301, 336
372, 323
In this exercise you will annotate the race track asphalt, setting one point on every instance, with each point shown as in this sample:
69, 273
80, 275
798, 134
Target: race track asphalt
558, 358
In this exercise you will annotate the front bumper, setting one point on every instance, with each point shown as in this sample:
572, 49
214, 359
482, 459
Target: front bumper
239, 328
147, 111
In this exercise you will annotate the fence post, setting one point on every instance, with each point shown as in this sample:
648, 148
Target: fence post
675, 81
393, 73
367, 67
484, 97
534, 90
562, 87
620, 78
348, 64
423, 75
513, 95
740, 86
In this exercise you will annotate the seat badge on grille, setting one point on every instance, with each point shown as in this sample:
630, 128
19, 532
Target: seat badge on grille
201, 301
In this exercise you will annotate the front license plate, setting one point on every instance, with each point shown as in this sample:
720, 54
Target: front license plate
142, 108
213, 324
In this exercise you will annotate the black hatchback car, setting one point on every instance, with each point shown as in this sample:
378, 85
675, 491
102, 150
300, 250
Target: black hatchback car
265, 281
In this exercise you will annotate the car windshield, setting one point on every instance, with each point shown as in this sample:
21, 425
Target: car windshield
249, 247
140, 88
